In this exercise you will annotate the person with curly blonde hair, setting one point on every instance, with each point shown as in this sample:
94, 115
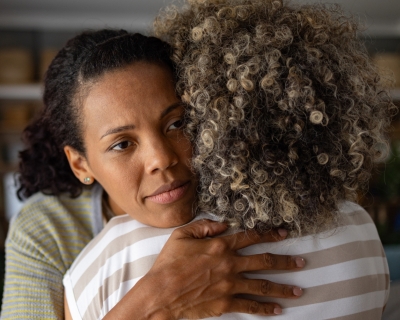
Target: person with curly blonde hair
288, 115
286, 108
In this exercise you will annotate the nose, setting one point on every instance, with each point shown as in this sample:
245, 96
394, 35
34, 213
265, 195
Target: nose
160, 155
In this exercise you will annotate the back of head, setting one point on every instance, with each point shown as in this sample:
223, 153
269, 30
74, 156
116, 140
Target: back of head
85, 58
286, 108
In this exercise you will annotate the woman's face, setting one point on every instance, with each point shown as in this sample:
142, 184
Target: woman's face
135, 145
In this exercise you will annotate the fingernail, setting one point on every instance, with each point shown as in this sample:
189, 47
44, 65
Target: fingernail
297, 291
282, 233
277, 310
300, 262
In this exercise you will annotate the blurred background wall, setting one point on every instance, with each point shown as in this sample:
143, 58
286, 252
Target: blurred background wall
31, 32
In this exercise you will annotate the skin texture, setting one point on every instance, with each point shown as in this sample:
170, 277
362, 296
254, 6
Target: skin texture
131, 127
135, 145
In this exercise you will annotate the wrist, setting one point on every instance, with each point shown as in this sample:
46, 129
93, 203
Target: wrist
155, 297
142, 302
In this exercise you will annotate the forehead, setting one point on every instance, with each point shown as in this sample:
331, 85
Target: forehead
136, 75
133, 90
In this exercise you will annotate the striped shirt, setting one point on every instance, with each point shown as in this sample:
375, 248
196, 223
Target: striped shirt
346, 275
44, 239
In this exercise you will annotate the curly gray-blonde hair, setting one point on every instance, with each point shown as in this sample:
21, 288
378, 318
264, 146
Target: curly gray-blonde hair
286, 110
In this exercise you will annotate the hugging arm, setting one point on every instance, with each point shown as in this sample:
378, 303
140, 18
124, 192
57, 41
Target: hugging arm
28, 294
198, 277
38, 255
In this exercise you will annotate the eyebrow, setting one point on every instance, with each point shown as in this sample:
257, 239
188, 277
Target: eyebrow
171, 108
118, 129
131, 126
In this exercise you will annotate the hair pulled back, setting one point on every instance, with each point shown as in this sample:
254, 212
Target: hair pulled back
287, 112
43, 164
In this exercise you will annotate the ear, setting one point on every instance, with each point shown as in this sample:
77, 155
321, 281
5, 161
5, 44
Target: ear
79, 165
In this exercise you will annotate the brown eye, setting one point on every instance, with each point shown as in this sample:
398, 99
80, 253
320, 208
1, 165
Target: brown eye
176, 125
122, 145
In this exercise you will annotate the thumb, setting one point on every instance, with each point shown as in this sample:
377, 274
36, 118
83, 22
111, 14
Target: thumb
201, 229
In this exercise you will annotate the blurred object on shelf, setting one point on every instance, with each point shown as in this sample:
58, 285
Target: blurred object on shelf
386, 216
392, 309
12, 204
395, 129
2, 205
383, 201
390, 178
14, 115
11, 149
16, 66
393, 256
21, 92
389, 65
46, 56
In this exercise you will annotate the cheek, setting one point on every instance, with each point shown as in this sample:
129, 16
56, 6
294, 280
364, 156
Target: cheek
119, 177
186, 150
129, 181
124, 189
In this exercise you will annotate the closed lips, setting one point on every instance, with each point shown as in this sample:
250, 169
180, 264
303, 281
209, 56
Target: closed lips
169, 193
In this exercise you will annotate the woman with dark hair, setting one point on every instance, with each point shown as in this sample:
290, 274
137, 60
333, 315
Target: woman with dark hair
288, 115
110, 141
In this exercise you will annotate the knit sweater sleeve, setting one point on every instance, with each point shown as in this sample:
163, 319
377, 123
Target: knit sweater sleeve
42, 243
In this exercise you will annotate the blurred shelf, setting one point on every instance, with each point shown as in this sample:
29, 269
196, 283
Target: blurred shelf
6, 129
5, 168
78, 20
34, 92
21, 92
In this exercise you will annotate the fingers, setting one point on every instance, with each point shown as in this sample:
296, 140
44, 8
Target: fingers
247, 238
207, 228
269, 261
254, 307
267, 288
200, 229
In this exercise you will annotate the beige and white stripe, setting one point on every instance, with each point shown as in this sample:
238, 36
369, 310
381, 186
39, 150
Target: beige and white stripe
346, 276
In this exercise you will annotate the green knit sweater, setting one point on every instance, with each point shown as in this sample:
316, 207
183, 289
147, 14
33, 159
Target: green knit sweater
43, 241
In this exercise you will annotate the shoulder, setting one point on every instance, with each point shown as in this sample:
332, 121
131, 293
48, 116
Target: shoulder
353, 213
44, 210
40, 201
119, 235
346, 270
356, 224
47, 224
114, 260
355, 234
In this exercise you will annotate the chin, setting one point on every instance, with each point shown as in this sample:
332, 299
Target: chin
174, 221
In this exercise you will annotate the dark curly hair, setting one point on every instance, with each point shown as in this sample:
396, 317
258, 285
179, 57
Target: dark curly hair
43, 165
287, 111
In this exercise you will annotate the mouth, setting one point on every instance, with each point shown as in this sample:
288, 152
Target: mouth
169, 193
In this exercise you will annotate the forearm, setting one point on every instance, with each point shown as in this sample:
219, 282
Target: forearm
145, 301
